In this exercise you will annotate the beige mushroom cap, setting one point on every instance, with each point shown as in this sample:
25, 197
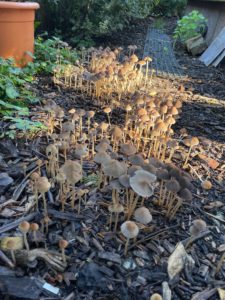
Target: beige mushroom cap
129, 229
142, 183
156, 297
72, 170
42, 184
116, 208
114, 168
143, 215
198, 226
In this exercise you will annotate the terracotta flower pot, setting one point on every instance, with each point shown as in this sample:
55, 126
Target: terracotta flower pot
17, 30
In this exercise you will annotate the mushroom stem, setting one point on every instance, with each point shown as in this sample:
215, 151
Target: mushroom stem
12, 253
116, 221
45, 204
63, 255
126, 247
187, 158
25, 241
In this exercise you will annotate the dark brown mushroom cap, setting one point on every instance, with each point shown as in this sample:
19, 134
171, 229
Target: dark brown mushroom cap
157, 163
149, 168
173, 185
133, 169
185, 182
162, 174
125, 180
136, 159
185, 194
115, 185
128, 149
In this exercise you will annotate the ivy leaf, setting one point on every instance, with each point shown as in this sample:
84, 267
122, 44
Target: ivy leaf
11, 92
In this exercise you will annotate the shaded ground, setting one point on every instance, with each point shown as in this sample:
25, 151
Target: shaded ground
111, 276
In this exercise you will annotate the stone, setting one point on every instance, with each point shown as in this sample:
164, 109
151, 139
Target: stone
196, 45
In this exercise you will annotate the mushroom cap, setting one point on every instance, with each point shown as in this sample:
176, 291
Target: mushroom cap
43, 185
117, 133
198, 226
107, 110
114, 168
116, 208
102, 147
90, 114
173, 185
136, 159
51, 150
129, 229
125, 180
115, 185
143, 215
163, 174
11, 245
185, 194
68, 126
128, 149
34, 176
60, 177
133, 169
81, 150
157, 163
24, 227
206, 185
194, 141
156, 297
63, 244
102, 158
142, 183
34, 227
72, 170
149, 168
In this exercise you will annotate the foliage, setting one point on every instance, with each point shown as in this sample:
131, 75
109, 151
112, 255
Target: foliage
16, 83
190, 26
81, 22
169, 7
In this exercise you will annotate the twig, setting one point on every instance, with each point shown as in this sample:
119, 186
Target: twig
150, 236
6, 260
16, 223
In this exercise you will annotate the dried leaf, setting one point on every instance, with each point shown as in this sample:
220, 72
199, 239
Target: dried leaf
212, 163
215, 204
177, 261
221, 294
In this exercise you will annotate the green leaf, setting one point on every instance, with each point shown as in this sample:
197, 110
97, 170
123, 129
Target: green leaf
11, 92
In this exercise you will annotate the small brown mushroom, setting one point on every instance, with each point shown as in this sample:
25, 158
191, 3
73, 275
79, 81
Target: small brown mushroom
130, 230
24, 227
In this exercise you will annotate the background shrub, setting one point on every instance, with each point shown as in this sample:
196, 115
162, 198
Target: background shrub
81, 22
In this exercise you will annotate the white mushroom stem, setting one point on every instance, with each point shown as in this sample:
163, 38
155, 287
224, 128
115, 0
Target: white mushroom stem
45, 204
12, 253
25, 241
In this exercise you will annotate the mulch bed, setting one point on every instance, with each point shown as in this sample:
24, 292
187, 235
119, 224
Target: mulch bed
98, 268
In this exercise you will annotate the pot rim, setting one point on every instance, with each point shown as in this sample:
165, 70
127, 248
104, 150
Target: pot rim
19, 5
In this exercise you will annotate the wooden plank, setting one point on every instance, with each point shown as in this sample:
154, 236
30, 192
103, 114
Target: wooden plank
219, 59
215, 49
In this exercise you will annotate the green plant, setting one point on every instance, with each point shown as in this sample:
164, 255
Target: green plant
169, 7
16, 92
190, 26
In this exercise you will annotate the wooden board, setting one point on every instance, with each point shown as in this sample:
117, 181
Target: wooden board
214, 50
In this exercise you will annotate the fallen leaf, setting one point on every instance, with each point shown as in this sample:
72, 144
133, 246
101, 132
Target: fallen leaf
177, 261
221, 294
212, 163
215, 204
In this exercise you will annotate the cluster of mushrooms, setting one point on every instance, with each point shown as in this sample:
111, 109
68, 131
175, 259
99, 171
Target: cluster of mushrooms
106, 73
132, 164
